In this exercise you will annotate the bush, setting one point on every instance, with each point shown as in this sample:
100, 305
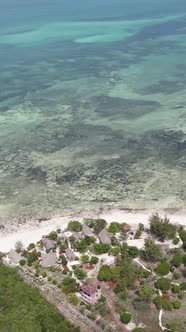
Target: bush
145, 293
139, 329
181, 296
123, 295
161, 227
177, 260
176, 289
152, 252
31, 246
80, 274
22, 262
75, 226
105, 273
183, 285
73, 299
138, 234
176, 275
94, 260
158, 302
101, 248
64, 261
125, 317
54, 281
115, 251
52, 236
164, 284
176, 240
176, 304
163, 268
166, 304
115, 227
85, 259
98, 225
133, 251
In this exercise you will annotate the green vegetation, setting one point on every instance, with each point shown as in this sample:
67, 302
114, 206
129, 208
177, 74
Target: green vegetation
176, 289
163, 303
161, 227
115, 227
69, 285
105, 273
85, 259
52, 236
75, 226
164, 284
176, 240
98, 225
101, 248
145, 293
64, 261
138, 234
125, 317
24, 309
177, 260
182, 234
80, 274
133, 251
163, 268
176, 304
82, 245
22, 262
31, 246
94, 260
73, 299
151, 252
139, 329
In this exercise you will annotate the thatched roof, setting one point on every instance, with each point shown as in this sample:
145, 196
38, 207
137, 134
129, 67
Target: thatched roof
48, 260
14, 256
104, 237
49, 244
87, 231
70, 254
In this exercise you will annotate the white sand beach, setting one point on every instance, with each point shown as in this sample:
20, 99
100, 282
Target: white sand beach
31, 234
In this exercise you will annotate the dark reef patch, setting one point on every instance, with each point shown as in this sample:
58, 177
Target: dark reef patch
172, 27
128, 108
164, 86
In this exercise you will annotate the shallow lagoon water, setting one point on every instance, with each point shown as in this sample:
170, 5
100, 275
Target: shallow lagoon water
92, 107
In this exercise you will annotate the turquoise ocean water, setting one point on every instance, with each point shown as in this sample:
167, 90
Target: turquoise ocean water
92, 105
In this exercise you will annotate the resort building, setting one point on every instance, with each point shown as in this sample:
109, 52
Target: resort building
90, 294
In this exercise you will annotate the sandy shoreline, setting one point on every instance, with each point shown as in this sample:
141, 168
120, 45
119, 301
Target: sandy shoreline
32, 233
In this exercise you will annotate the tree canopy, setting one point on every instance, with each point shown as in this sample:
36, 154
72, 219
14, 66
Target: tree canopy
24, 309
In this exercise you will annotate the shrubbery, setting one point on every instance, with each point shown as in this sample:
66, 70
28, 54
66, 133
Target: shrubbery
176, 304
177, 260
75, 226
125, 317
163, 268
164, 284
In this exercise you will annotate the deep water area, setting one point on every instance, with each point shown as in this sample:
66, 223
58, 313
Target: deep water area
92, 105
